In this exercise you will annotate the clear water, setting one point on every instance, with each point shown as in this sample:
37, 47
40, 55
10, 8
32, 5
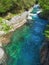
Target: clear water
24, 48
36, 8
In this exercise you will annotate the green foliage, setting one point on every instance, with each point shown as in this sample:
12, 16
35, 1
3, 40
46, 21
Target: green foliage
6, 5
46, 33
28, 3
4, 26
45, 14
45, 6
0, 20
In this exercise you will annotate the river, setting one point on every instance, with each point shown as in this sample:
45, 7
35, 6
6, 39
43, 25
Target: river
26, 42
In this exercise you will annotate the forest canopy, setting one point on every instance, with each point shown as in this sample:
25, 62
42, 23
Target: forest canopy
45, 6
7, 5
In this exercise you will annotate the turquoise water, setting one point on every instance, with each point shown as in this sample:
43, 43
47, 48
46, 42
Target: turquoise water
26, 42
35, 9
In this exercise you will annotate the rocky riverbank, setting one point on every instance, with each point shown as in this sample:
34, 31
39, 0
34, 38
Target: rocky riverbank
15, 22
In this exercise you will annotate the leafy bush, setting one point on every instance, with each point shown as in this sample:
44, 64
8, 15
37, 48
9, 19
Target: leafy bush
4, 26
45, 6
28, 3
46, 33
6, 5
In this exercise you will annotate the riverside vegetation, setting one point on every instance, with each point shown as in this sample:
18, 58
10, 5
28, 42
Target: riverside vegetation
45, 15
10, 8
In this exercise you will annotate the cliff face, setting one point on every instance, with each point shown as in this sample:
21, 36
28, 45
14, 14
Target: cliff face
45, 53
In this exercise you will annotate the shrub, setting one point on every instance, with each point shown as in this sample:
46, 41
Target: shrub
4, 26
45, 6
28, 3
47, 32
5, 5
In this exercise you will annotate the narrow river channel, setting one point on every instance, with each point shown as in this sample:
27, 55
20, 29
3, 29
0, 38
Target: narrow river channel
26, 42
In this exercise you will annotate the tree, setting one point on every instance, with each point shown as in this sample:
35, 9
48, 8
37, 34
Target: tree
45, 6
8, 5
5, 5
